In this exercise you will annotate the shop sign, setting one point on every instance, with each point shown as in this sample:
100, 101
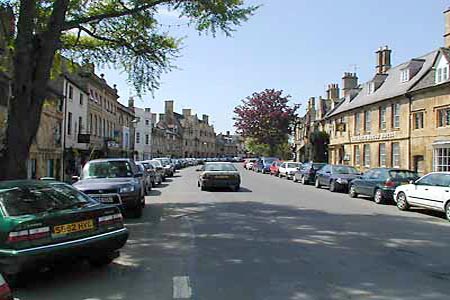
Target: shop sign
372, 137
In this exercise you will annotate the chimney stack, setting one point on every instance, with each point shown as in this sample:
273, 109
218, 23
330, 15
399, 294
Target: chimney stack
162, 117
205, 118
312, 103
169, 107
349, 82
228, 133
131, 102
383, 60
186, 112
333, 91
447, 28
154, 118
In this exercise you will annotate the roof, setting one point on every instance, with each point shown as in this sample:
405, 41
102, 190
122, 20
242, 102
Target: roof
429, 79
391, 88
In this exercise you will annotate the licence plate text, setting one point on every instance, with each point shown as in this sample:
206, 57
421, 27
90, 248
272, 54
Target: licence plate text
73, 227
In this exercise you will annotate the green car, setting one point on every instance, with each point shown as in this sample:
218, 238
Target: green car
46, 222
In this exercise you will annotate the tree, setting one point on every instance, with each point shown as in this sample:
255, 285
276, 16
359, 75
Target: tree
266, 117
124, 34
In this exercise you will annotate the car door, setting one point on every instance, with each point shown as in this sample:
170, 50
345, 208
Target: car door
375, 178
429, 191
281, 169
325, 175
361, 185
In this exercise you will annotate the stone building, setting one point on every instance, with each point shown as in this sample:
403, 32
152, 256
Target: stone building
199, 138
168, 133
230, 145
143, 132
126, 122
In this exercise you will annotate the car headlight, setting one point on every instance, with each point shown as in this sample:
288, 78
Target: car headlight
341, 181
127, 189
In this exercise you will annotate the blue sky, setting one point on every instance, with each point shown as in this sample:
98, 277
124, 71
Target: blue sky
298, 46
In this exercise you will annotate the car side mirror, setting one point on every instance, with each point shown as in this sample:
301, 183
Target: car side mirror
75, 179
412, 182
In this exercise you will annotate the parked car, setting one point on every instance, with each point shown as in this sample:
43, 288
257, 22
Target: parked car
263, 164
431, 191
274, 167
380, 183
44, 223
147, 178
219, 174
114, 181
5, 291
154, 174
336, 177
307, 172
248, 164
288, 169
167, 165
159, 168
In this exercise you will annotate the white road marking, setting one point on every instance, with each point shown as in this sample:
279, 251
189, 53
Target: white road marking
181, 287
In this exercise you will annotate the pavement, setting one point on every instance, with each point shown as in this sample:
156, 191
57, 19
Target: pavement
275, 239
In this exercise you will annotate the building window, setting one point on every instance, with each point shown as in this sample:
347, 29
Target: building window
367, 121
441, 160
32, 169
357, 123
147, 139
50, 168
404, 76
442, 74
357, 155
147, 122
396, 155
90, 124
138, 137
80, 125
382, 155
366, 156
81, 99
443, 117
396, 115
104, 128
70, 92
69, 124
371, 88
382, 118
418, 120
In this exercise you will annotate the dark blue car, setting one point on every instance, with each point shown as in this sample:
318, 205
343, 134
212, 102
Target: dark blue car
336, 177
263, 164
307, 173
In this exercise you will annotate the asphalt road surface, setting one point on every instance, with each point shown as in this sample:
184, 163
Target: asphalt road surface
275, 239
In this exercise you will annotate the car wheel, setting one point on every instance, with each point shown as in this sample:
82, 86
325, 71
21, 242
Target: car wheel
317, 183
378, 197
202, 187
402, 202
333, 187
136, 212
101, 261
447, 211
303, 180
352, 192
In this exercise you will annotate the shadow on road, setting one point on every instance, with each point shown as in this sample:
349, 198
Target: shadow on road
253, 250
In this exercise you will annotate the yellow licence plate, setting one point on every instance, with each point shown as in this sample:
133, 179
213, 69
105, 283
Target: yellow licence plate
74, 227
222, 177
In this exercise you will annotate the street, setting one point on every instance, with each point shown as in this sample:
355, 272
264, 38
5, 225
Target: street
275, 239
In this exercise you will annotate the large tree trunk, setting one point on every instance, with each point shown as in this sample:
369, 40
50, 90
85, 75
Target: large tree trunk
33, 60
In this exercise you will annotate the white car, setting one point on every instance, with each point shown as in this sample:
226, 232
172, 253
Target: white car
431, 191
288, 169
249, 163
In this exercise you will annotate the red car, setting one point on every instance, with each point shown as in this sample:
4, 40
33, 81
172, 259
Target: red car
274, 167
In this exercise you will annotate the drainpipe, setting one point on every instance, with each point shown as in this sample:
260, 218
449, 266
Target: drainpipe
410, 98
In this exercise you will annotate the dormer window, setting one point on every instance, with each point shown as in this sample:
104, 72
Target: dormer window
404, 75
442, 74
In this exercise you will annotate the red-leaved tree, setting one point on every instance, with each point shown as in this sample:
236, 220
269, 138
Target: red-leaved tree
266, 117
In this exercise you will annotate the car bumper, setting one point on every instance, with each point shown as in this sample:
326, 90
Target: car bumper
209, 183
388, 194
15, 261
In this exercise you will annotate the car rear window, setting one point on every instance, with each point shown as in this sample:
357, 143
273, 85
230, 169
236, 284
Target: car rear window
402, 174
293, 165
29, 199
220, 167
317, 166
107, 169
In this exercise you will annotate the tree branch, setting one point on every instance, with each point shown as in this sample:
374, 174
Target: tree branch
119, 13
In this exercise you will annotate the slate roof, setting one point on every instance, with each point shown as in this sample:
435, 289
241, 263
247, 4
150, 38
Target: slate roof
391, 88
429, 80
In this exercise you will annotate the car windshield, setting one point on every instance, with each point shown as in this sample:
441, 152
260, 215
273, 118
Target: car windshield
107, 169
344, 170
317, 166
156, 163
35, 199
293, 165
220, 167
269, 160
402, 174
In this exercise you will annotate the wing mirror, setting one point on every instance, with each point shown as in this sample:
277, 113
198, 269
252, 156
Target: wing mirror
412, 182
75, 179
